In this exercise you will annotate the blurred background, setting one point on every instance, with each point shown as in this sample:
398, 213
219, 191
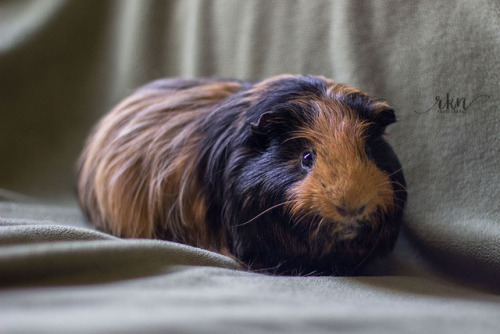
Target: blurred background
63, 64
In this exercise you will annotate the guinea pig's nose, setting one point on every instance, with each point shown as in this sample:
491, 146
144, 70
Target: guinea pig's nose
345, 211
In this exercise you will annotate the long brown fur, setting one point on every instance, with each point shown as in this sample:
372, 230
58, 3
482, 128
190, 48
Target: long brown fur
136, 172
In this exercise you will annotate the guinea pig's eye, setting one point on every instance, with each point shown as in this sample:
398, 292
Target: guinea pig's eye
307, 160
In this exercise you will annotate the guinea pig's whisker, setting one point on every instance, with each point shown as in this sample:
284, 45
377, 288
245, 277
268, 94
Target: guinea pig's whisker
396, 171
296, 214
262, 213
299, 219
399, 207
392, 182
269, 269
397, 202
400, 200
312, 273
399, 184
316, 232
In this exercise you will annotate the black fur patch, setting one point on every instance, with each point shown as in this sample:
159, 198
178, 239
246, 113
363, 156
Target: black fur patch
248, 166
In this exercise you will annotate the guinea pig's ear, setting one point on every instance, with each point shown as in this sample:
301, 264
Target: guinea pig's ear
265, 121
384, 116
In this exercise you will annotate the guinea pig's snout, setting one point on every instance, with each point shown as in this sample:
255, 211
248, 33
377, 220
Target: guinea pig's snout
349, 211
350, 219
360, 194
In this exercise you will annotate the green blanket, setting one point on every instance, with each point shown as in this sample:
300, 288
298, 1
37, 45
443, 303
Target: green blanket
63, 64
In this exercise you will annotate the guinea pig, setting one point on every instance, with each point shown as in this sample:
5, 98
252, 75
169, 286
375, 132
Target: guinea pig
289, 175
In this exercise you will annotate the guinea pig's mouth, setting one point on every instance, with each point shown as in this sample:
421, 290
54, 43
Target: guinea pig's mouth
347, 232
359, 231
355, 230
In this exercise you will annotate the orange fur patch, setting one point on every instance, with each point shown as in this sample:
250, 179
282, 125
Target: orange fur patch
342, 175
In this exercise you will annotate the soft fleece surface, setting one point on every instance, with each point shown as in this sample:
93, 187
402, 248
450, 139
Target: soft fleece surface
64, 63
